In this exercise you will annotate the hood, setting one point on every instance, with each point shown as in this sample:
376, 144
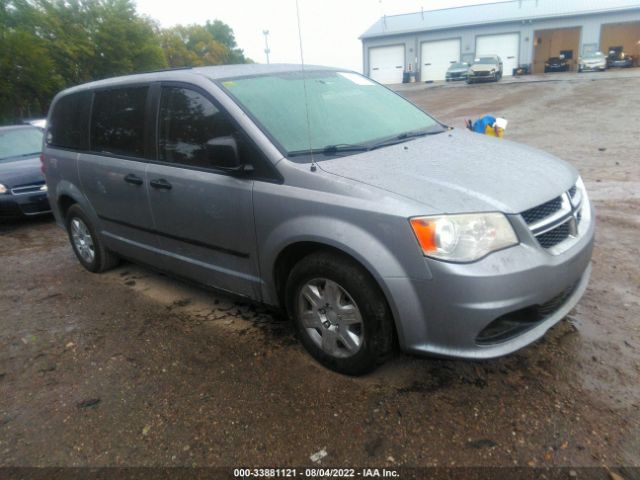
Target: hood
460, 171
484, 67
22, 171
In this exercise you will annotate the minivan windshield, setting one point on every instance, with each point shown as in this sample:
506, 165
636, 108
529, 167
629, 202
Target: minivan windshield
20, 142
328, 111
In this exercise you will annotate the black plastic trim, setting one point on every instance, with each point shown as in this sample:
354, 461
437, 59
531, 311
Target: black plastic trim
190, 241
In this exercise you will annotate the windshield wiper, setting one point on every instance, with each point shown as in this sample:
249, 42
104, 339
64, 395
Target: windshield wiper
403, 137
355, 147
330, 150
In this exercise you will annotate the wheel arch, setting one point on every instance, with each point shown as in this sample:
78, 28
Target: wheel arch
291, 254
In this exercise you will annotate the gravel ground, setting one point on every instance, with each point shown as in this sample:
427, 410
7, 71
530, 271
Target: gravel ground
133, 368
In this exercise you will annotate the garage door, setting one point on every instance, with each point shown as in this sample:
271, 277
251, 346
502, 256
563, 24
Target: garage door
386, 64
436, 58
623, 36
553, 43
504, 45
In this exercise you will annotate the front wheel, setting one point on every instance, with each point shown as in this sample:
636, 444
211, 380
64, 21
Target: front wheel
87, 246
340, 314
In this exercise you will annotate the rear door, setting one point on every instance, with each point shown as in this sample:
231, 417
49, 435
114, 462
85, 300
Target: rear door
112, 173
203, 214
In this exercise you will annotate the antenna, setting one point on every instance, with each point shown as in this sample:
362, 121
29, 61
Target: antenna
267, 50
304, 83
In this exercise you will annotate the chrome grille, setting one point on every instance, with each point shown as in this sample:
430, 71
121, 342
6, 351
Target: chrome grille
26, 189
542, 211
554, 237
554, 222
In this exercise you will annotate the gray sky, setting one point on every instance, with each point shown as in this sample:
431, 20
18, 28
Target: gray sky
330, 28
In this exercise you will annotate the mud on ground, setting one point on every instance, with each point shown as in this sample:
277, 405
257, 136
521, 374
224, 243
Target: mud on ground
134, 368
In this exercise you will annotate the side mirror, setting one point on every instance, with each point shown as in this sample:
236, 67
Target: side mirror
223, 153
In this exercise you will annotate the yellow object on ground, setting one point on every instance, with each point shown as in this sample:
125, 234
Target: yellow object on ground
494, 131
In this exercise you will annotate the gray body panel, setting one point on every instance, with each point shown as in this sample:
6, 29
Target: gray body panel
461, 171
206, 228
228, 232
121, 207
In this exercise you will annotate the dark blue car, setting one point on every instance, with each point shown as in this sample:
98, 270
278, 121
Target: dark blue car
22, 188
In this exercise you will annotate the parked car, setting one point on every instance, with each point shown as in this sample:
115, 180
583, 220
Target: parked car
556, 64
363, 218
40, 123
617, 59
457, 71
487, 68
22, 188
595, 61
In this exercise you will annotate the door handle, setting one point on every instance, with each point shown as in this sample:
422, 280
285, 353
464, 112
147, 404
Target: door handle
133, 179
160, 184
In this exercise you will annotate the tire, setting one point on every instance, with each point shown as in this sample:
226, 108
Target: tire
319, 288
87, 246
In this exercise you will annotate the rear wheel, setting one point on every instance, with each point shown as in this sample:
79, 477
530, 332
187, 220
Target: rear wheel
87, 246
340, 313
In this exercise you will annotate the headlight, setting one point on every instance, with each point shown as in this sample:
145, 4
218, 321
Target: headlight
493, 70
463, 238
3, 189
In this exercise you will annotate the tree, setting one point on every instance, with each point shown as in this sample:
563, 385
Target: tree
124, 42
195, 45
223, 34
49, 45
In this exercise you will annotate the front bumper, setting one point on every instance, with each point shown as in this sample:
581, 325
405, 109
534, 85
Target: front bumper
24, 205
447, 315
593, 68
482, 77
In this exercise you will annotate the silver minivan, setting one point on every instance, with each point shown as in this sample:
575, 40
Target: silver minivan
322, 193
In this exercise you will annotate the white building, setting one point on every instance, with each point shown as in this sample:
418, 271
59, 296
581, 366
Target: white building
522, 32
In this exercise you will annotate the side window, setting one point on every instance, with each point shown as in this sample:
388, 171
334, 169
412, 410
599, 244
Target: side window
117, 121
69, 122
193, 131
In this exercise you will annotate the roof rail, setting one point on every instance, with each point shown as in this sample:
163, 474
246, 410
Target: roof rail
166, 70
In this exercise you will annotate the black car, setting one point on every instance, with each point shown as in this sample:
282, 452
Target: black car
22, 188
556, 64
619, 60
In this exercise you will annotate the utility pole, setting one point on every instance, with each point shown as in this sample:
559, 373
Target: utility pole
267, 51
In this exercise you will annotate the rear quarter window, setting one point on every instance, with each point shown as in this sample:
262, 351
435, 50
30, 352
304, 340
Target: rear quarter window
69, 122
